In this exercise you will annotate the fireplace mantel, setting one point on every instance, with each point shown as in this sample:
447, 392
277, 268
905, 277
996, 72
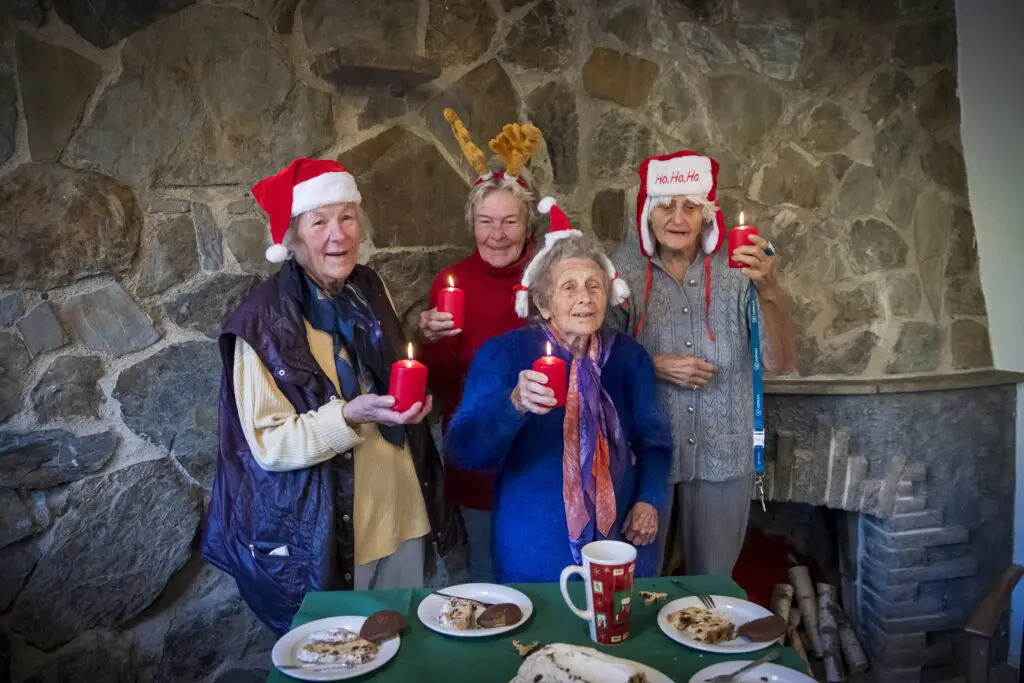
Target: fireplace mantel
844, 386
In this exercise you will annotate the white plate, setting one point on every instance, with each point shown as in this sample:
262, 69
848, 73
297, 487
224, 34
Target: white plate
773, 672
429, 610
653, 676
735, 610
286, 649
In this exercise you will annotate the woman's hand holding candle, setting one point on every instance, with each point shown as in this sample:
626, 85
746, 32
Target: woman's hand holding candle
435, 326
531, 395
544, 386
447, 318
748, 251
380, 409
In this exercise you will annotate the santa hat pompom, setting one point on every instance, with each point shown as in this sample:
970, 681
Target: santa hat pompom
621, 290
544, 205
277, 253
522, 303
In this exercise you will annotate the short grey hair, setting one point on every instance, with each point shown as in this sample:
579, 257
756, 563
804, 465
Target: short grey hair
527, 198
543, 267
295, 247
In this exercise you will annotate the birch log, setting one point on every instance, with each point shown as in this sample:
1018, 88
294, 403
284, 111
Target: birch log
829, 633
804, 590
795, 641
853, 653
782, 599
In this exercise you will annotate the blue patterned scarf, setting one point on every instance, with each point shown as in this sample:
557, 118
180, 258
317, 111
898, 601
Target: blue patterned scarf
349, 319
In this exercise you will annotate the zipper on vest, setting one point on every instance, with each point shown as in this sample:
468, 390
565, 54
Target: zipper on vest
252, 551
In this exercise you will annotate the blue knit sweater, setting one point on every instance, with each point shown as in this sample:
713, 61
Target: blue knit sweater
530, 539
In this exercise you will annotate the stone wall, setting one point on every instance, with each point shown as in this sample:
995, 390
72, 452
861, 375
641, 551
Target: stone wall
130, 133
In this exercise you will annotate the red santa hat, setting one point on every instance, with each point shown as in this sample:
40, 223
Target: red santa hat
560, 229
683, 173
301, 186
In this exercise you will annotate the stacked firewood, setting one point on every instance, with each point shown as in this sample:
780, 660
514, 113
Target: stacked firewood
818, 626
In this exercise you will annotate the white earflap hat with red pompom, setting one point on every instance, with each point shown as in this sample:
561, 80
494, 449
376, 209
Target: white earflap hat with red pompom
560, 229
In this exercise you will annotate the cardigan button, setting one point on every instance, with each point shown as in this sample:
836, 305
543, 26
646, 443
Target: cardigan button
689, 344
348, 455
348, 577
691, 441
686, 310
333, 398
280, 373
345, 518
689, 409
692, 282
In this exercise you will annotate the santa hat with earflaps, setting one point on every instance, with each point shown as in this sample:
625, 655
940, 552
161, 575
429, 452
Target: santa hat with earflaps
686, 174
560, 229
303, 185
683, 173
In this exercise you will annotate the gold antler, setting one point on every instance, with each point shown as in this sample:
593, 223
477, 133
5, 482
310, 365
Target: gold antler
515, 143
474, 155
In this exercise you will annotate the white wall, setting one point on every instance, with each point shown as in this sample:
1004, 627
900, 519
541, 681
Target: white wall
991, 52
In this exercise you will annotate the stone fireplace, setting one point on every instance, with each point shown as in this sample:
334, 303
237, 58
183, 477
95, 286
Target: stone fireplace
920, 472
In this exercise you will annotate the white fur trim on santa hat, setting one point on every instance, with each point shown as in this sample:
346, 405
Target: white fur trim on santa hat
687, 175
709, 236
277, 253
544, 205
326, 188
522, 303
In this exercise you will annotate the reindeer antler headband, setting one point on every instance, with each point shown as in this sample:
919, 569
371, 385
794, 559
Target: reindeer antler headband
515, 144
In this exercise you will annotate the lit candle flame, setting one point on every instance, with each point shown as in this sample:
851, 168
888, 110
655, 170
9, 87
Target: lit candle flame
410, 350
741, 219
548, 349
451, 282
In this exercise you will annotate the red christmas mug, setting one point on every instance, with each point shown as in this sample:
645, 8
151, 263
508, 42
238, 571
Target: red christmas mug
607, 572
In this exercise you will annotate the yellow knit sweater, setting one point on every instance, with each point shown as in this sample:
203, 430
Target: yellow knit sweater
388, 508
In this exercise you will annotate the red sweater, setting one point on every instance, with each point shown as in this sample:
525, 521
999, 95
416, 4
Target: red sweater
490, 312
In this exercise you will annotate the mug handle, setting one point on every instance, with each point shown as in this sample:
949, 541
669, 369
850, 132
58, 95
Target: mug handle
563, 583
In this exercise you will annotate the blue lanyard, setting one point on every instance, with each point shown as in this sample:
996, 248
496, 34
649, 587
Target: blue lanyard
755, 350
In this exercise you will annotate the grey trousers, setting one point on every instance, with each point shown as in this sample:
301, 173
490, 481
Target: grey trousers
401, 569
711, 524
478, 532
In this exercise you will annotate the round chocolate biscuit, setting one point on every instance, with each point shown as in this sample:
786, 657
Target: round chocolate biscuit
382, 626
503, 614
763, 630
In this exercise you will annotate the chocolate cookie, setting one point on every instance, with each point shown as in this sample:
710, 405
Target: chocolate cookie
382, 626
763, 630
504, 614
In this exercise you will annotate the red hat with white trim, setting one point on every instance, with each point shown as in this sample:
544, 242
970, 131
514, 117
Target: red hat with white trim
683, 173
560, 229
301, 186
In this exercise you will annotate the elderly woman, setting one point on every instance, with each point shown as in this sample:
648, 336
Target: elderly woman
500, 212
320, 484
691, 314
590, 470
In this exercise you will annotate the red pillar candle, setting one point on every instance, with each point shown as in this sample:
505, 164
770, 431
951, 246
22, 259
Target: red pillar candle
557, 372
739, 236
408, 383
452, 300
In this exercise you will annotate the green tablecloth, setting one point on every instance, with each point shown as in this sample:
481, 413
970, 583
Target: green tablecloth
428, 656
